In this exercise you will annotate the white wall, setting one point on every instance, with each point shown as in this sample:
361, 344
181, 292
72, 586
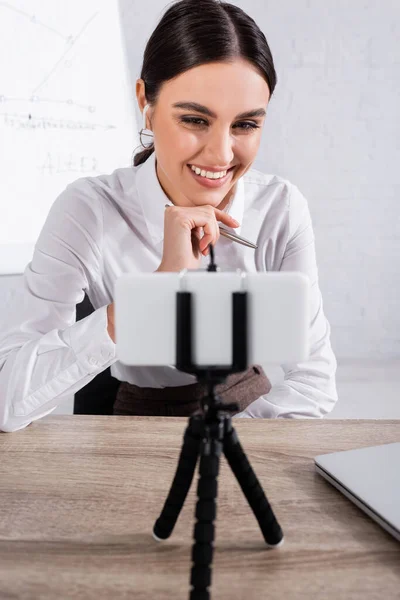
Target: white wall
334, 129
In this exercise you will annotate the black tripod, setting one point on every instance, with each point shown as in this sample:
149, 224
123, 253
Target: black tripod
209, 433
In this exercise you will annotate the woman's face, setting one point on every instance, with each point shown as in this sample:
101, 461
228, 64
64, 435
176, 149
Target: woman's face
215, 135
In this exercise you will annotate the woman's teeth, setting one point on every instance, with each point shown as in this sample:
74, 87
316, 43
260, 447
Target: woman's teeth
208, 174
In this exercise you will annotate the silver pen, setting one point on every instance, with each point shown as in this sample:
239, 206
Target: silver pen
236, 238
232, 236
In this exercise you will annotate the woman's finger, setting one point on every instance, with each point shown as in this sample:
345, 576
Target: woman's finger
198, 232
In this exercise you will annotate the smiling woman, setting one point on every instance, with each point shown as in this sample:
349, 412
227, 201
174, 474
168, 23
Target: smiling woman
207, 93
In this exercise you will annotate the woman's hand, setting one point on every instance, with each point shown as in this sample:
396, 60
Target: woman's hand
184, 243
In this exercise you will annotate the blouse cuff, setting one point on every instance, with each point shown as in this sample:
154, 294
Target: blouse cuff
91, 342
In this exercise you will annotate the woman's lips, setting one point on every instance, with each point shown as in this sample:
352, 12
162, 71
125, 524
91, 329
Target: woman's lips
212, 183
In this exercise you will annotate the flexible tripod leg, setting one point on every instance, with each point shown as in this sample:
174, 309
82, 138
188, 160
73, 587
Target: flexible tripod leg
183, 478
251, 487
206, 509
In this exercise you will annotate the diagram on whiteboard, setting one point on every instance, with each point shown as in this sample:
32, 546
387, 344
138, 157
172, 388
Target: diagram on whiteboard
66, 108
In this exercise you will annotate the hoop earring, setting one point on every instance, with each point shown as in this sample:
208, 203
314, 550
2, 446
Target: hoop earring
147, 134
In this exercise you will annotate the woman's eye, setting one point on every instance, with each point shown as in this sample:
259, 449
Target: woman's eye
245, 125
194, 121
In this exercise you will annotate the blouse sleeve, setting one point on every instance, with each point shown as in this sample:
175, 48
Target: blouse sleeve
45, 355
309, 387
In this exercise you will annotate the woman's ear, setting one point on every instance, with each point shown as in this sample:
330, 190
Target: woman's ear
140, 94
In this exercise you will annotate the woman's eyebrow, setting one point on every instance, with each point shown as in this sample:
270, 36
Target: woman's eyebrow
257, 112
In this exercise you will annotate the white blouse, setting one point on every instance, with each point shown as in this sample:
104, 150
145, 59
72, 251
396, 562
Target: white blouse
100, 227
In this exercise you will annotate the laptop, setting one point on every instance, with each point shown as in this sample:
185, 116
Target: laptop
369, 477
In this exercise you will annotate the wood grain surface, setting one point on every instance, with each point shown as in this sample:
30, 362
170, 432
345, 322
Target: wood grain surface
79, 496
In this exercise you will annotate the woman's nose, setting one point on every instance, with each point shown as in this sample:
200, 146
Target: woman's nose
220, 149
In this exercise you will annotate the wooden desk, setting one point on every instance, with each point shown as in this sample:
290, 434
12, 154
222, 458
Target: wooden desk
79, 496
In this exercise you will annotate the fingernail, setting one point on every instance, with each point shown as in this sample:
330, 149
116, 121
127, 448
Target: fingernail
236, 222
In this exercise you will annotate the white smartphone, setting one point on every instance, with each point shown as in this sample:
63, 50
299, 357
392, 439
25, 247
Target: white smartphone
278, 316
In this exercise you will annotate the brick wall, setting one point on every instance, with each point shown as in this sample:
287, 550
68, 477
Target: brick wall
334, 129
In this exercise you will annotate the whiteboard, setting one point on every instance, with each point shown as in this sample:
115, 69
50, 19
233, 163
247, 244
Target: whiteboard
66, 110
